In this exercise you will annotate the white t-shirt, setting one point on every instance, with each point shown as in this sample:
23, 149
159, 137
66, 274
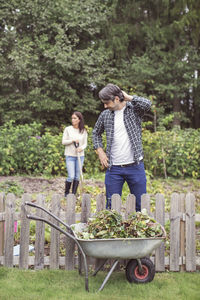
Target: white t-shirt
121, 151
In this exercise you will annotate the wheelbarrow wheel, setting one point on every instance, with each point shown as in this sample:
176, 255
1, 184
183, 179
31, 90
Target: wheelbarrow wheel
133, 273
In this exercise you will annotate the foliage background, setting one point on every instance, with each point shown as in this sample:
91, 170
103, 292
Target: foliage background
57, 55
24, 150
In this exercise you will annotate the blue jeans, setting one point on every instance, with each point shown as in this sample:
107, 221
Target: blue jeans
72, 165
134, 176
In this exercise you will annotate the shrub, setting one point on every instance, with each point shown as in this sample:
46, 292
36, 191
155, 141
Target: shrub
178, 149
24, 150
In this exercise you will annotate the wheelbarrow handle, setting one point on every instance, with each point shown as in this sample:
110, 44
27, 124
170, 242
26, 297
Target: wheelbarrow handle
164, 232
36, 218
49, 213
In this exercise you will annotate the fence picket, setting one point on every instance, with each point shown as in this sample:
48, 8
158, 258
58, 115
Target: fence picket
174, 232
116, 202
160, 217
130, 205
145, 203
182, 230
69, 243
9, 230
190, 232
2, 209
100, 202
100, 205
85, 214
39, 236
86, 207
55, 234
24, 234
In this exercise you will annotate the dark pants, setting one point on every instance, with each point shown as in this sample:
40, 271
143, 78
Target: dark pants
135, 177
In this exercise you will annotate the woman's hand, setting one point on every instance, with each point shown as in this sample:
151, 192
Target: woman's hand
76, 141
79, 149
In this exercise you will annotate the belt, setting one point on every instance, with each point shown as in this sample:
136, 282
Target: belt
128, 165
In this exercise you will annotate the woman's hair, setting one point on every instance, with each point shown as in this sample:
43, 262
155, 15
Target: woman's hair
110, 91
81, 124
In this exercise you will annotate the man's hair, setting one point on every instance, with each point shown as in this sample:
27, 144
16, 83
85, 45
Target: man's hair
109, 92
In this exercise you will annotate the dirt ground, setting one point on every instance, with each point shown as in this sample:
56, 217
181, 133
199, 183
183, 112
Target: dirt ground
37, 185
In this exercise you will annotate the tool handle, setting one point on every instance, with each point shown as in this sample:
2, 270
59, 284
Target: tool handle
76, 144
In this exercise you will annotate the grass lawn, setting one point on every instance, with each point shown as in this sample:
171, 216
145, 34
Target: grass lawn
47, 284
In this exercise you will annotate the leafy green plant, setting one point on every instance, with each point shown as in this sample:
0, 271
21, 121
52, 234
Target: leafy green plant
109, 224
10, 186
177, 151
25, 149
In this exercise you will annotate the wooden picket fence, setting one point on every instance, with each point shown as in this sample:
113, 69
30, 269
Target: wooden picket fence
182, 254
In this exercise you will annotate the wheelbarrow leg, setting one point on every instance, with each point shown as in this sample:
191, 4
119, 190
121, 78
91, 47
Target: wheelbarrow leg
80, 262
99, 267
109, 274
140, 266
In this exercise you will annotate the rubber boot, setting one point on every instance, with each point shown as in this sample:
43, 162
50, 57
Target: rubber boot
75, 186
67, 187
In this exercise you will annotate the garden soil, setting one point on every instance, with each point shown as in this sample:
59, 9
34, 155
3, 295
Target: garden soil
35, 185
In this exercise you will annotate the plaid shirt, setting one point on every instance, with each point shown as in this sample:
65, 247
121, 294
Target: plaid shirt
132, 120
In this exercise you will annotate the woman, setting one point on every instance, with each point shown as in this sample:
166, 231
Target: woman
75, 141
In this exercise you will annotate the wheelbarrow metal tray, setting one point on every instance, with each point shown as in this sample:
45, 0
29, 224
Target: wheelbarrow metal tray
120, 248
117, 248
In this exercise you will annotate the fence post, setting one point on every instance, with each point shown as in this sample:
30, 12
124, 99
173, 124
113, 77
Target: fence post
9, 230
2, 209
160, 218
190, 233
55, 234
174, 232
39, 236
69, 243
24, 234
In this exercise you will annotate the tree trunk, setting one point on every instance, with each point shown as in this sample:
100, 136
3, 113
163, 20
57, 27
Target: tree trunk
196, 117
176, 111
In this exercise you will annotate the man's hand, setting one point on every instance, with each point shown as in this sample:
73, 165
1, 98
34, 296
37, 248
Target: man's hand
127, 97
102, 157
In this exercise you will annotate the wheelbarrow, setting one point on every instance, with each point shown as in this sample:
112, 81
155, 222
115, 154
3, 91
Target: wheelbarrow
139, 268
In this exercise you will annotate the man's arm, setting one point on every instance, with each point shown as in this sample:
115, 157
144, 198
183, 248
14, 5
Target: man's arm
97, 141
102, 157
127, 97
140, 103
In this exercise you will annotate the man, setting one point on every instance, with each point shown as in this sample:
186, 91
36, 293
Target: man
124, 155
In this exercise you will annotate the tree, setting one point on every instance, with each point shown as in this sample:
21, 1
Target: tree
155, 48
56, 55
50, 57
